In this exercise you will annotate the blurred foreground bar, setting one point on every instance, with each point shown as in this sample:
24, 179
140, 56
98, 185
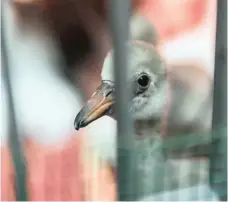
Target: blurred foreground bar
218, 161
119, 15
15, 141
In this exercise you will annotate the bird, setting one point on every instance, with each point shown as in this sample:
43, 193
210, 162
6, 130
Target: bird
156, 89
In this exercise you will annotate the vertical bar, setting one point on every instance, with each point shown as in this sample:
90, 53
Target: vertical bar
119, 14
218, 162
15, 144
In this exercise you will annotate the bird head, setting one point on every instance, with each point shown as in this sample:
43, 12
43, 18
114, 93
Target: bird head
145, 78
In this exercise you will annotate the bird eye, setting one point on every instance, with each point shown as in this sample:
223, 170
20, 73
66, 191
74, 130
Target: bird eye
143, 81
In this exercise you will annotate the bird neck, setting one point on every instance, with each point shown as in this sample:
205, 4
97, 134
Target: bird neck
148, 128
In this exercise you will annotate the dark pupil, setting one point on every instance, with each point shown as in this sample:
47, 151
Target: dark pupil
143, 81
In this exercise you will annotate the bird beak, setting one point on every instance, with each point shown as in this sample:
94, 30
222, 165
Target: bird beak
100, 104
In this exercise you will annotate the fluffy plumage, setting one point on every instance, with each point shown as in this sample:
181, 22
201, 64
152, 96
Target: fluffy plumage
189, 104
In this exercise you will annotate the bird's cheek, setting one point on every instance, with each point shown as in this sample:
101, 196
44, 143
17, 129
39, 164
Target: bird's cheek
138, 103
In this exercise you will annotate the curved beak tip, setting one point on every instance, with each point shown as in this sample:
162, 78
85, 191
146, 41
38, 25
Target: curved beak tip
79, 121
76, 124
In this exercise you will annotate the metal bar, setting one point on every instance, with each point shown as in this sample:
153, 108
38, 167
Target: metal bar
119, 15
219, 119
15, 144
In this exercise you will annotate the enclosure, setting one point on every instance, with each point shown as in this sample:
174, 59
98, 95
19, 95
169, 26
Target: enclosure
50, 69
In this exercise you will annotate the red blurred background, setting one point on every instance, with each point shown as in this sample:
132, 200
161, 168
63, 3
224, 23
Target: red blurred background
186, 30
